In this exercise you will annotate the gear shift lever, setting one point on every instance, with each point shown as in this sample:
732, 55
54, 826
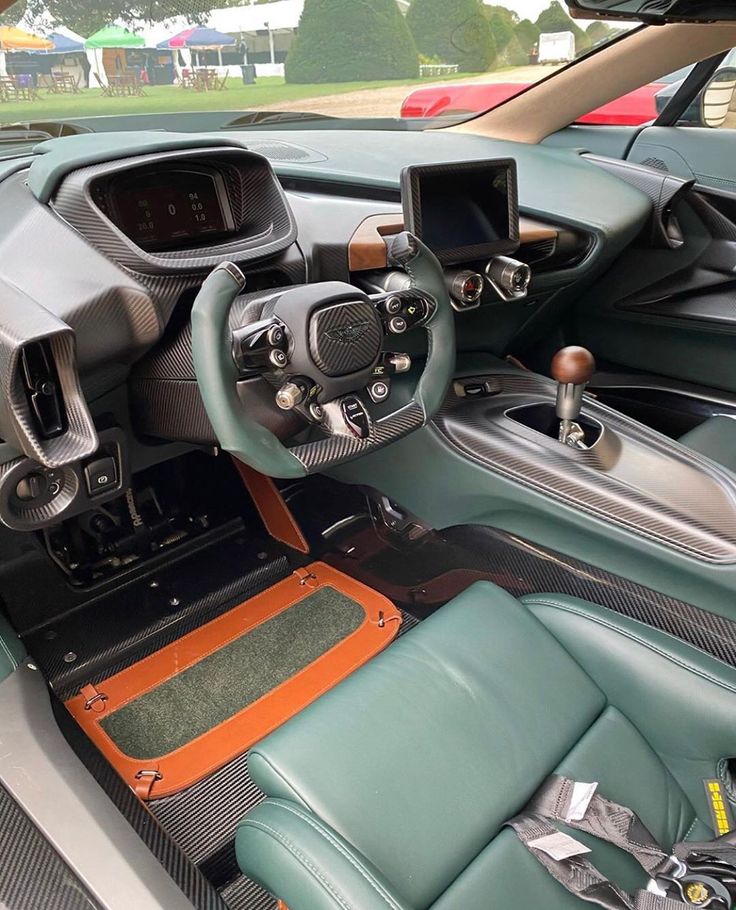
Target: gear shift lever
572, 368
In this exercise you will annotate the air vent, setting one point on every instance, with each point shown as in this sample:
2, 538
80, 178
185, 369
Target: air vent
537, 250
41, 384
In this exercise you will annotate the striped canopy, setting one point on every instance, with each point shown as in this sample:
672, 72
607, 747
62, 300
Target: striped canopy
15, 39
197, 36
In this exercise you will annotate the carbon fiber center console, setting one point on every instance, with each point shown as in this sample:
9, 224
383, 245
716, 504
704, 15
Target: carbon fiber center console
631, 476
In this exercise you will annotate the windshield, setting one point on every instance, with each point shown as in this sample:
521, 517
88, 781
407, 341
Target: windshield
407, 59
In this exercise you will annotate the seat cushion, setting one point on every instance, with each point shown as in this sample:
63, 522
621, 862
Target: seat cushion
413, 764
716, 439
420, 759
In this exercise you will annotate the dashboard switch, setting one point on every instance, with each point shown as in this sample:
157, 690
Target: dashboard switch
31, 487
289, 396
379, 390
400, 363
101, 475
278, 358
356, 416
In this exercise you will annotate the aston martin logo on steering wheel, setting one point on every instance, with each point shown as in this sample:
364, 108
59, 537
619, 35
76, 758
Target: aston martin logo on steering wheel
346, 334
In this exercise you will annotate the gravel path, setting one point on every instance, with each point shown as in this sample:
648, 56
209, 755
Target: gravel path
386, 102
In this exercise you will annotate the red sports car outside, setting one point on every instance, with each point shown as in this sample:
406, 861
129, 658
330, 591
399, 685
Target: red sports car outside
632, 109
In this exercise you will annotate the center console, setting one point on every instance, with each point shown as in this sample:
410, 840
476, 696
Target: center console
616, 469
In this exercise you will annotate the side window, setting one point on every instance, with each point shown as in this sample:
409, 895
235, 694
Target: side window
712, 106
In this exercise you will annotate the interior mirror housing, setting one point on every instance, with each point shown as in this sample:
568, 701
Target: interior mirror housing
653, 12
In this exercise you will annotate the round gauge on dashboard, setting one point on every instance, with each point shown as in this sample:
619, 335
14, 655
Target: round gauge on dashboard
466, 287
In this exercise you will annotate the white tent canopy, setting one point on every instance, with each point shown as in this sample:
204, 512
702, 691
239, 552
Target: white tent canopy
283, 14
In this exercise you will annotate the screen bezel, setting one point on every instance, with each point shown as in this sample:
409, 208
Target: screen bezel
411, 182
176, 243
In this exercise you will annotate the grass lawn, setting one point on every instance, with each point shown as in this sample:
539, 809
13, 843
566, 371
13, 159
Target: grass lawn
170, 98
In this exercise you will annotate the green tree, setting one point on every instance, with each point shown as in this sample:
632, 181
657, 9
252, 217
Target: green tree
555, 19
455, 32
513, 54
502, 23
351, 40
85, 17
599, 31
527, 34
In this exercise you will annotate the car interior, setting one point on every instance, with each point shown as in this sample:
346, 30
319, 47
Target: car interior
368, 504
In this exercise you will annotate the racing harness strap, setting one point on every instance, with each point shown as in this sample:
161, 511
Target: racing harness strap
695, 874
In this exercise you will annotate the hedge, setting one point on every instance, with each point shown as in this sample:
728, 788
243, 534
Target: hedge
456, 31
351, 41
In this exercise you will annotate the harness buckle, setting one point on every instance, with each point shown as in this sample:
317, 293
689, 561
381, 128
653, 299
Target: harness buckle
701, 882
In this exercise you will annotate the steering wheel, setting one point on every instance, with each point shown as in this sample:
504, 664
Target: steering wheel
322, 347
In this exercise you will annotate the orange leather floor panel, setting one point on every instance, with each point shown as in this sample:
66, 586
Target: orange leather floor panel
166, 774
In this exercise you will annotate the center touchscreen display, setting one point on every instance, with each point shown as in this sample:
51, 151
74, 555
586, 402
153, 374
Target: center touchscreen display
463, 211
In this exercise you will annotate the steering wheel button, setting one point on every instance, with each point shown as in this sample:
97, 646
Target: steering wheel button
356, 416
277, 358
276, 336
397, 325
392, 305
379, 391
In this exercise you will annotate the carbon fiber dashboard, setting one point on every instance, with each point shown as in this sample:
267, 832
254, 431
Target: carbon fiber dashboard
633, 476
265, 225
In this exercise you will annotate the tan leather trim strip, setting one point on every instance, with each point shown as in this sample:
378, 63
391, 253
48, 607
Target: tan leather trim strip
367, 248
163, 775
275, 514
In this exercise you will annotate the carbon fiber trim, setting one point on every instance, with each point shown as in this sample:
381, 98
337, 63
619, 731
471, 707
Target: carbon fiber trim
331, 451
105, 636
413, 215
204, 818
271, 226
23, 322
345, 338
525, 568
20, 516
32, 874
243, 894
184, 873
633, 477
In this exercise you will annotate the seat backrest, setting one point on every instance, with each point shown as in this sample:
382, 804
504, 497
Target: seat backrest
418, 758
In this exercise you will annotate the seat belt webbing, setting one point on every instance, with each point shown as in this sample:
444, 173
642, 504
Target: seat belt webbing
581, 807
554, 850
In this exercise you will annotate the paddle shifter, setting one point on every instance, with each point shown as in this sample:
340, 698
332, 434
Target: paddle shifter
572, 368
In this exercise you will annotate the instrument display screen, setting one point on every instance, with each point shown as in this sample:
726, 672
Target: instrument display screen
463, 211
172, 208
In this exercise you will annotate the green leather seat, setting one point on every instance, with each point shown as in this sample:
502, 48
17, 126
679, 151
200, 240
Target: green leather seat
391, 790
716, 439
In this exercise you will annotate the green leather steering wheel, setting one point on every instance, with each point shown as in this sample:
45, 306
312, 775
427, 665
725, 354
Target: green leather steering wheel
330, 332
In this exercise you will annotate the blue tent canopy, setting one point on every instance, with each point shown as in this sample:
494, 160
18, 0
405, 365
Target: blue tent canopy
64, 45
197, 37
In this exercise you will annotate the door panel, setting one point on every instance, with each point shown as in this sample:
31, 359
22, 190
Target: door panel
672, 312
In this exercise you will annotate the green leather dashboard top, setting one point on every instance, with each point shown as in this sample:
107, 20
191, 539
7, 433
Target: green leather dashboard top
552, 182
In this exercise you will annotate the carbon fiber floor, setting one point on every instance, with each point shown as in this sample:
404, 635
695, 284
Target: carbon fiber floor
110, 633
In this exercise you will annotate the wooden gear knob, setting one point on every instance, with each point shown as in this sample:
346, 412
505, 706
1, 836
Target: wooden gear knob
573, 364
